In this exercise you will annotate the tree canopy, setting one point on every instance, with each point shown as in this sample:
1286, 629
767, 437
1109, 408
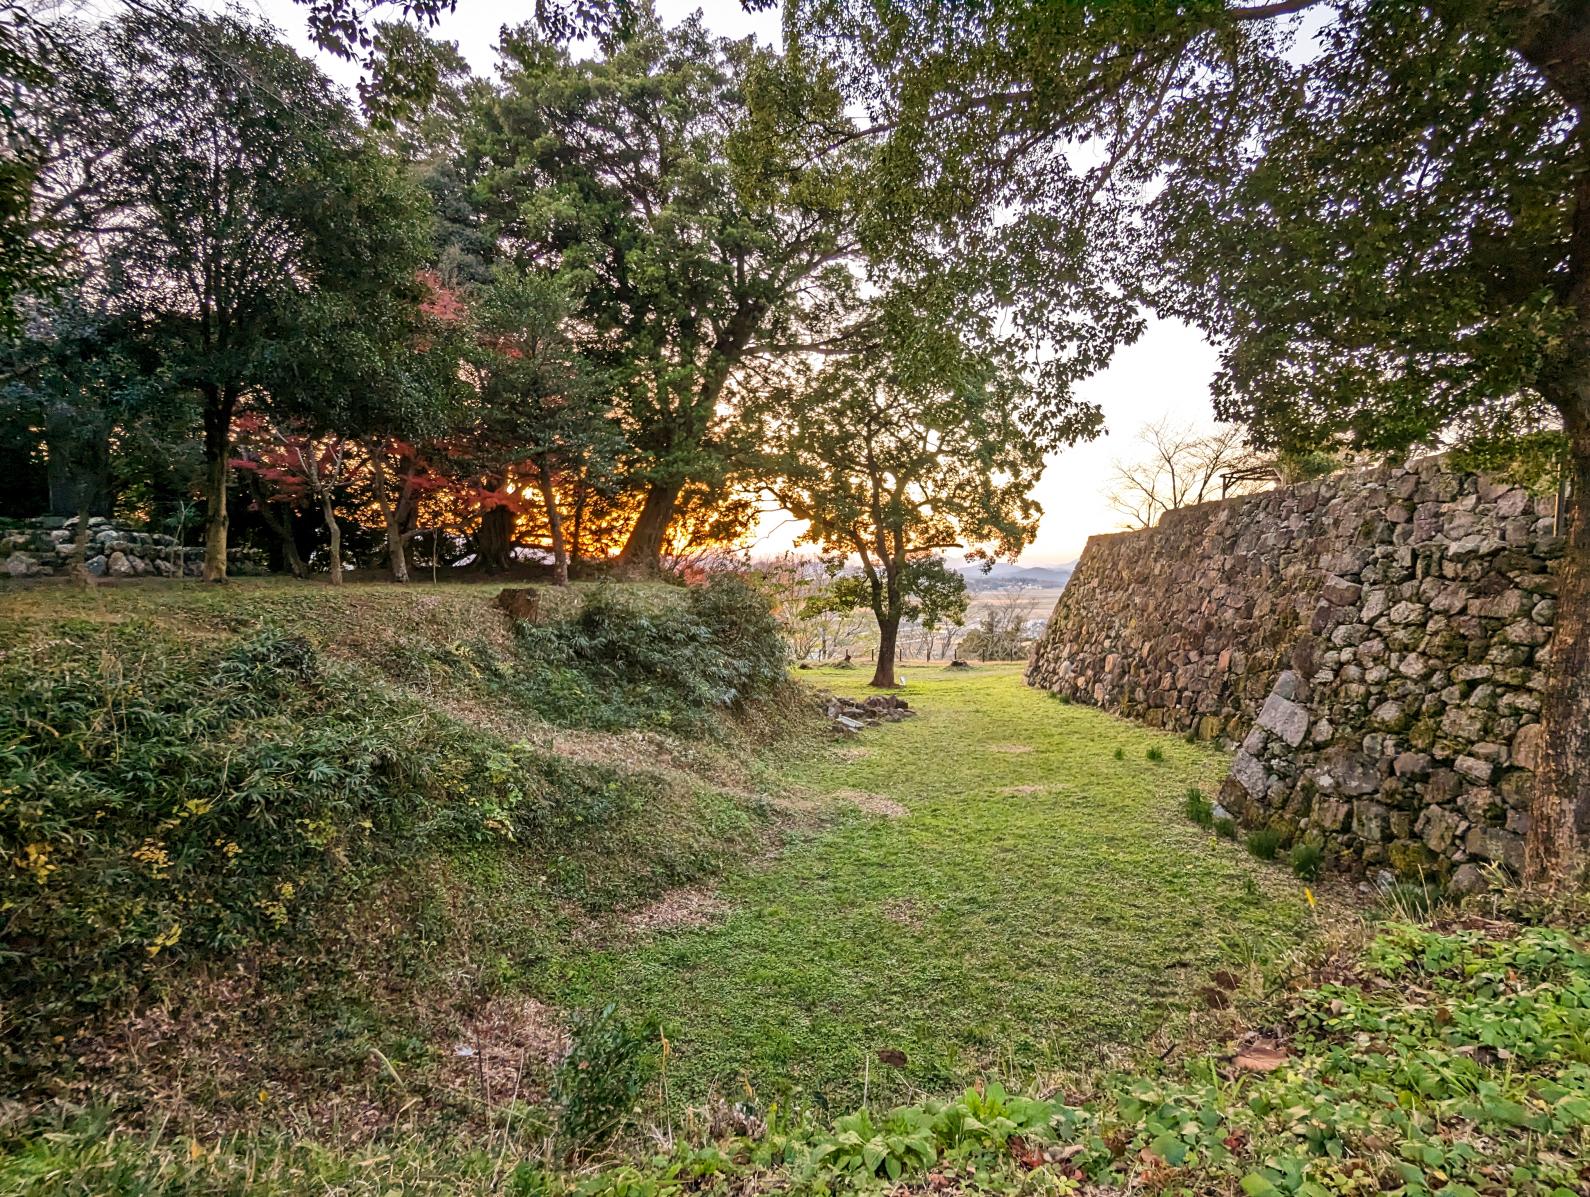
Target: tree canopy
892, 459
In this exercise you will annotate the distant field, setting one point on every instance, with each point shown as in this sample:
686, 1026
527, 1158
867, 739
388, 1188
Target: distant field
1041, 600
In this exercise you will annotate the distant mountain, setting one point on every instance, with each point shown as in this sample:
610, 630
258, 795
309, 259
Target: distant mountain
1007, 577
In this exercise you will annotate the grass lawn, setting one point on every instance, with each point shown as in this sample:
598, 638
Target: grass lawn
1037, 903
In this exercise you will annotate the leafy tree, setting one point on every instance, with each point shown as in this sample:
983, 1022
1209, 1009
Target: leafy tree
29, 57
681, 173
891, 463
360, 356
81, 376
404, 70
538, 399
937, 593
1386, 230
243, 193
931, 595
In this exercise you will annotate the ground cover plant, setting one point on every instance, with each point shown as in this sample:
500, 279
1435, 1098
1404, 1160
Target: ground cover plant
1000, 896
173, 793
1451, 1058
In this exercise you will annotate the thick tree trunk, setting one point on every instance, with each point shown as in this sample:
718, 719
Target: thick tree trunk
494, 540
560, 556
888, 641
218, 404
1559, 830
643, 550
215, 519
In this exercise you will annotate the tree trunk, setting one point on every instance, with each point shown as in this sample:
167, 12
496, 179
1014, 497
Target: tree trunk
218, 404
643, 550
494, 540
888, 638
334, 531
281, 524
581, 490
79, 571
397, 558
560, 556
1559, 827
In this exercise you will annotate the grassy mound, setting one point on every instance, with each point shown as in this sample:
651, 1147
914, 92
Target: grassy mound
184, 786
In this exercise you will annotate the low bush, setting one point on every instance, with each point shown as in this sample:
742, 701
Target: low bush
1226, 829
1265, 842
1155, 753
1307, 859
1199, 809
601, 1082
620, 662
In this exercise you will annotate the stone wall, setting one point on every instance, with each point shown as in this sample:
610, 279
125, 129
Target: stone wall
47, 546
1372, 644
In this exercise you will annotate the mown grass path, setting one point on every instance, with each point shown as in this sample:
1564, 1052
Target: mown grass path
1040, 903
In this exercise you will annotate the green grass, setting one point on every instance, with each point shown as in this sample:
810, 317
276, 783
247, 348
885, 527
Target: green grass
1039, 904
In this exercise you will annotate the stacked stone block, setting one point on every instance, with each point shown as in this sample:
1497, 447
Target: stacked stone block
1372, 644
48, 546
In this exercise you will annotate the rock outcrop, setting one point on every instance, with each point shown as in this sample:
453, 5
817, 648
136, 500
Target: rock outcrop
1372, 644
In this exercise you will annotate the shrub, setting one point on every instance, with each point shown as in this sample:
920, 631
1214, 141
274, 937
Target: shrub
1264, 842
1155, 753
601, 1081
162, 801
1226, 829
1412, 900
1307, 860
1199, 809
620, 663
1120, 754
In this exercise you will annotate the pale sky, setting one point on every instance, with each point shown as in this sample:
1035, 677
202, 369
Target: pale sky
1166, 374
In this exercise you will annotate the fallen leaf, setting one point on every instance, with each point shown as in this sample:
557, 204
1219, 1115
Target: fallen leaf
1260, 1058
891, 1057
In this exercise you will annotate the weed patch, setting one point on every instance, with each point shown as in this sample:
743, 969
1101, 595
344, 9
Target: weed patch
1264, 842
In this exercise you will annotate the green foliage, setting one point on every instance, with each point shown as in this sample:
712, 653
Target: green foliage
1231, 134
1307, 859
687, 178
164, 801
1226, 829
1155, 754
1265, 842
163, 804
622, 663
1199, 809
599, 1085
1120, 754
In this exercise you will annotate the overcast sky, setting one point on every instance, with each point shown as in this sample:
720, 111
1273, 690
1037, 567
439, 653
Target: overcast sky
1166, 374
